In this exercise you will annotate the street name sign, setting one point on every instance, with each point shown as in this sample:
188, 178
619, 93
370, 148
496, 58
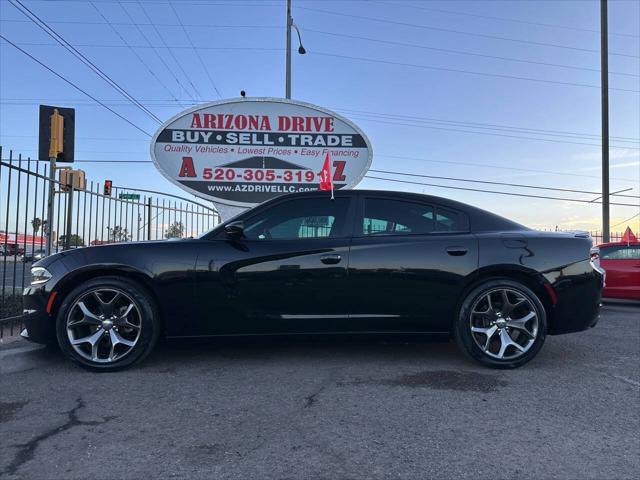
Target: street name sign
129, 196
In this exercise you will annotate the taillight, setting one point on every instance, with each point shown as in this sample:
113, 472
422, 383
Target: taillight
594, 255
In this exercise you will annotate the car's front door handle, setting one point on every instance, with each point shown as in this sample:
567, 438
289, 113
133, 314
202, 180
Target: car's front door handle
330, 259
456, 251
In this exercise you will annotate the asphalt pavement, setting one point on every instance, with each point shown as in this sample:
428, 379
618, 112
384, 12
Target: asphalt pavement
328, 409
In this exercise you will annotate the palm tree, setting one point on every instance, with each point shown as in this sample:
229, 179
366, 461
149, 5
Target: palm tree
36, 223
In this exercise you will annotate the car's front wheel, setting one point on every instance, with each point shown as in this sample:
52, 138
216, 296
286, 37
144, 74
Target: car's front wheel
107, 323
501, 324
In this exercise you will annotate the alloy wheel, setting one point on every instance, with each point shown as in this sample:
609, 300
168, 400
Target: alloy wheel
104, 325
504, 323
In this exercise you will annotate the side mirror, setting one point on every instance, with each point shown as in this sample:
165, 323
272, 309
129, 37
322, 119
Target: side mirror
235, 229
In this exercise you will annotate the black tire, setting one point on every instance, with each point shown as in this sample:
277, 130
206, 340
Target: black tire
146, 317
465, 338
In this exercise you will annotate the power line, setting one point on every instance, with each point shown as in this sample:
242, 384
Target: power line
468, 189
504, 19
234, 3
113, 161
443, 186
488, 182
468, 164
322, 32
74, 85
70, 48
499, 167
448, 186
490, 126
453, 122
106, 139
170, 51
589, 136
162, 60
419, 124
141, 24
186, 33
469, 72
397, 4
140, 59
463, 52
377, 120
444, 50
461, 32
149, 45
625, 221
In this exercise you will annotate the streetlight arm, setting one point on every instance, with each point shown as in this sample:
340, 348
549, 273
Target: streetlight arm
301, 49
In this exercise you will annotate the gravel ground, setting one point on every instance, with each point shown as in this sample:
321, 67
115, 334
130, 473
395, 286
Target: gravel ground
318, 408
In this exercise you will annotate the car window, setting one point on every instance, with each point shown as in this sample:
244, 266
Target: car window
387, 216
621, 252
448, 220
299, 219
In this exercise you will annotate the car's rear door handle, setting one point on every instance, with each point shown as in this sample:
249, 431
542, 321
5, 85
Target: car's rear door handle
456, 251
330, 259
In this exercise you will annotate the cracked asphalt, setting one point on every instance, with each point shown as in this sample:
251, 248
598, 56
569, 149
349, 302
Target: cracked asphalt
328, 408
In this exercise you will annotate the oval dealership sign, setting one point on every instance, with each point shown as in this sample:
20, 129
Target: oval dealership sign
244, 151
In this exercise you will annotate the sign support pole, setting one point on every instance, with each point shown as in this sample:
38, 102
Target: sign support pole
149, 218
50, 198
67, 243
56, 146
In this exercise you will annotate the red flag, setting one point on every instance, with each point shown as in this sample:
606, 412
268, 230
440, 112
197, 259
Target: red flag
326, 180
629, 236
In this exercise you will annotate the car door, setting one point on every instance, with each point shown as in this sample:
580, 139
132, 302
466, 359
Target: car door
622, 265
288, 274
408, 263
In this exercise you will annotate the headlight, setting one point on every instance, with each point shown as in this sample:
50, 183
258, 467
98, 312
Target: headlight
39, 275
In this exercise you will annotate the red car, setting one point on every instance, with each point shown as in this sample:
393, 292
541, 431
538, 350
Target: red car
621, 262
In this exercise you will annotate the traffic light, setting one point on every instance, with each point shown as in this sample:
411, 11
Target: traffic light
107, 187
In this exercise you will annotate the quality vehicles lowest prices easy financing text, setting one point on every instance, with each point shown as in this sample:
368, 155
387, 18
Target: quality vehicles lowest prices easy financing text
366, 262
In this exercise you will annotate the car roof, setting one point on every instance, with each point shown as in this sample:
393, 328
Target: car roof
619, 244
387, 193
481, 220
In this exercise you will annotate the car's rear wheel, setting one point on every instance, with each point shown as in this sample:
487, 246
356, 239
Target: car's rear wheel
107, 323
501, 324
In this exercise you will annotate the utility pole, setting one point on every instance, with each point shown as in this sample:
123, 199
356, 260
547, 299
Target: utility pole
604, 87
288, 61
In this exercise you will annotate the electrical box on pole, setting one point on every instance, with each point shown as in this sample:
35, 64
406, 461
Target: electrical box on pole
56, 133
69, 177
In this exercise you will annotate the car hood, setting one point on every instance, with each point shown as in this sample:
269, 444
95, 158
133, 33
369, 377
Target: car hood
116, 248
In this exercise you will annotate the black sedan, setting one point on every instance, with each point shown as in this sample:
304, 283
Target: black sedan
366, 262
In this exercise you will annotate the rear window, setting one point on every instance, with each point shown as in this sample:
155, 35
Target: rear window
621, 252
384, 216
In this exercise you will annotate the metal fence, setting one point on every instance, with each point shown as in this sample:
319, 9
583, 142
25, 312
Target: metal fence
81, 217
613, 237
596, 235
